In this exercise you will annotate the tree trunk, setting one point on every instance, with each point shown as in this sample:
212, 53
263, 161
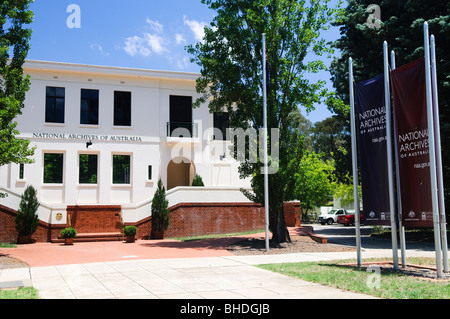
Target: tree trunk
280, 233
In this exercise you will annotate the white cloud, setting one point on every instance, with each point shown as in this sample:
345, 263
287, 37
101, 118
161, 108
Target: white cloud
155, 26
155, 43
136, 46
182, 63
179, 38
99, 48
196, 27
148, 43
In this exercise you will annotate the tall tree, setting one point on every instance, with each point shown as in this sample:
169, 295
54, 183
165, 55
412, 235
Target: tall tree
14, 46
401, 25
230, 58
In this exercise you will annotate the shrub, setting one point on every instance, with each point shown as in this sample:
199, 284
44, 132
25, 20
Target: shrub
197, 181
130, 230
26, 219
68, 232
160, 209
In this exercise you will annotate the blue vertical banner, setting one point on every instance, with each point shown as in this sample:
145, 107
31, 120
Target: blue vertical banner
371, 134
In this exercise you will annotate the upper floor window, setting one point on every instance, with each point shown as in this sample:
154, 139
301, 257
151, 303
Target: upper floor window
89, 107
122, 108
221, 122
54, 104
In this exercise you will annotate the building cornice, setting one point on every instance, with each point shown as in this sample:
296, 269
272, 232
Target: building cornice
99, 70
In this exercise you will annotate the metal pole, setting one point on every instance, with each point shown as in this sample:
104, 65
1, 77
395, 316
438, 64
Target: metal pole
399, 197
440, 180
432, 151
354, 163
387, 102
266, 162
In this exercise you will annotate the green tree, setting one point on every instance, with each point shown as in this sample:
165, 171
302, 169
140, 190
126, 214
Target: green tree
314, 186
160, 209
14, 46
401, 26
230, 58
26, 219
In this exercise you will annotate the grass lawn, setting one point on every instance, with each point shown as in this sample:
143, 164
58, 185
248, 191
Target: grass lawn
20, 293
387, 285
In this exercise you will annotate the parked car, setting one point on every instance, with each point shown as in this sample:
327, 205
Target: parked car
349, 218
332, 216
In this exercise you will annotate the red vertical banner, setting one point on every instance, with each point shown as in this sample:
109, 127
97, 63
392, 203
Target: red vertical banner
410, 116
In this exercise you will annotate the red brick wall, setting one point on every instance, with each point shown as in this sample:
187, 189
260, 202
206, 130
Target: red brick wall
214, 218
292, 214
95, 219
8, 233
186, 219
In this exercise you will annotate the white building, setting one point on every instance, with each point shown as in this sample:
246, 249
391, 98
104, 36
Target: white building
104, 136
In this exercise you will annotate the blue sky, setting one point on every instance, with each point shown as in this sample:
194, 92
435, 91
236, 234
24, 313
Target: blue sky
145, 34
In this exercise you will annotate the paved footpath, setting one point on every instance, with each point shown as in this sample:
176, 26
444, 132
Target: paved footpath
166, 270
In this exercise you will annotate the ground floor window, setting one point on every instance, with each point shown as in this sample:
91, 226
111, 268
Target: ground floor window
88, 169
121, 169
53, 168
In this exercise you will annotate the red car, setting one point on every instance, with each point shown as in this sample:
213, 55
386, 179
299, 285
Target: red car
349, 219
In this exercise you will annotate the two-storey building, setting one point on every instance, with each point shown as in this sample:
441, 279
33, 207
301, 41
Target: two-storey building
103, 138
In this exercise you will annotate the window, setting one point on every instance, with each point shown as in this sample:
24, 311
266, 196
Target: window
180, 116
221, 121
89, 107
21, 171
88, 169
121, 169
149, 177
122, 108
53, 168
54, 104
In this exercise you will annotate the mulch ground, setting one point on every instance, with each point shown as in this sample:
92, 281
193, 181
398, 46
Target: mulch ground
10, 263
299, 244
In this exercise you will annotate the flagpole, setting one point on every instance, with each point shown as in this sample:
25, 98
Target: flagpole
399, 198
354, 163
440, 180
266, 162
432, 151
389, 157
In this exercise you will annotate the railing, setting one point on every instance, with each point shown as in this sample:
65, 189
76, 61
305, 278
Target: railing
182, 129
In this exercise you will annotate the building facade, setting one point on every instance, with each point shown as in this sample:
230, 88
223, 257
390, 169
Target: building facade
104, 136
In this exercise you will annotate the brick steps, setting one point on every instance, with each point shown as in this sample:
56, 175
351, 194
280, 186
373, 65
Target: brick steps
94, 237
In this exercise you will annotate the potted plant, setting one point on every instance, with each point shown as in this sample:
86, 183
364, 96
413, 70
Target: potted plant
130, 233
68, 233
26, 219
160, 212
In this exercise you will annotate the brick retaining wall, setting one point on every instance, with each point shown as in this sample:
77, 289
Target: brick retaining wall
187, 219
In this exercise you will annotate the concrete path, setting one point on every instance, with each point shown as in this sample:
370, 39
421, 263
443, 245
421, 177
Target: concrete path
167, 269
226, 277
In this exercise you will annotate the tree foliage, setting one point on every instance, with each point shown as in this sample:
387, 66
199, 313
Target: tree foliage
401, 26
14, 46
314, 186
230, 57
